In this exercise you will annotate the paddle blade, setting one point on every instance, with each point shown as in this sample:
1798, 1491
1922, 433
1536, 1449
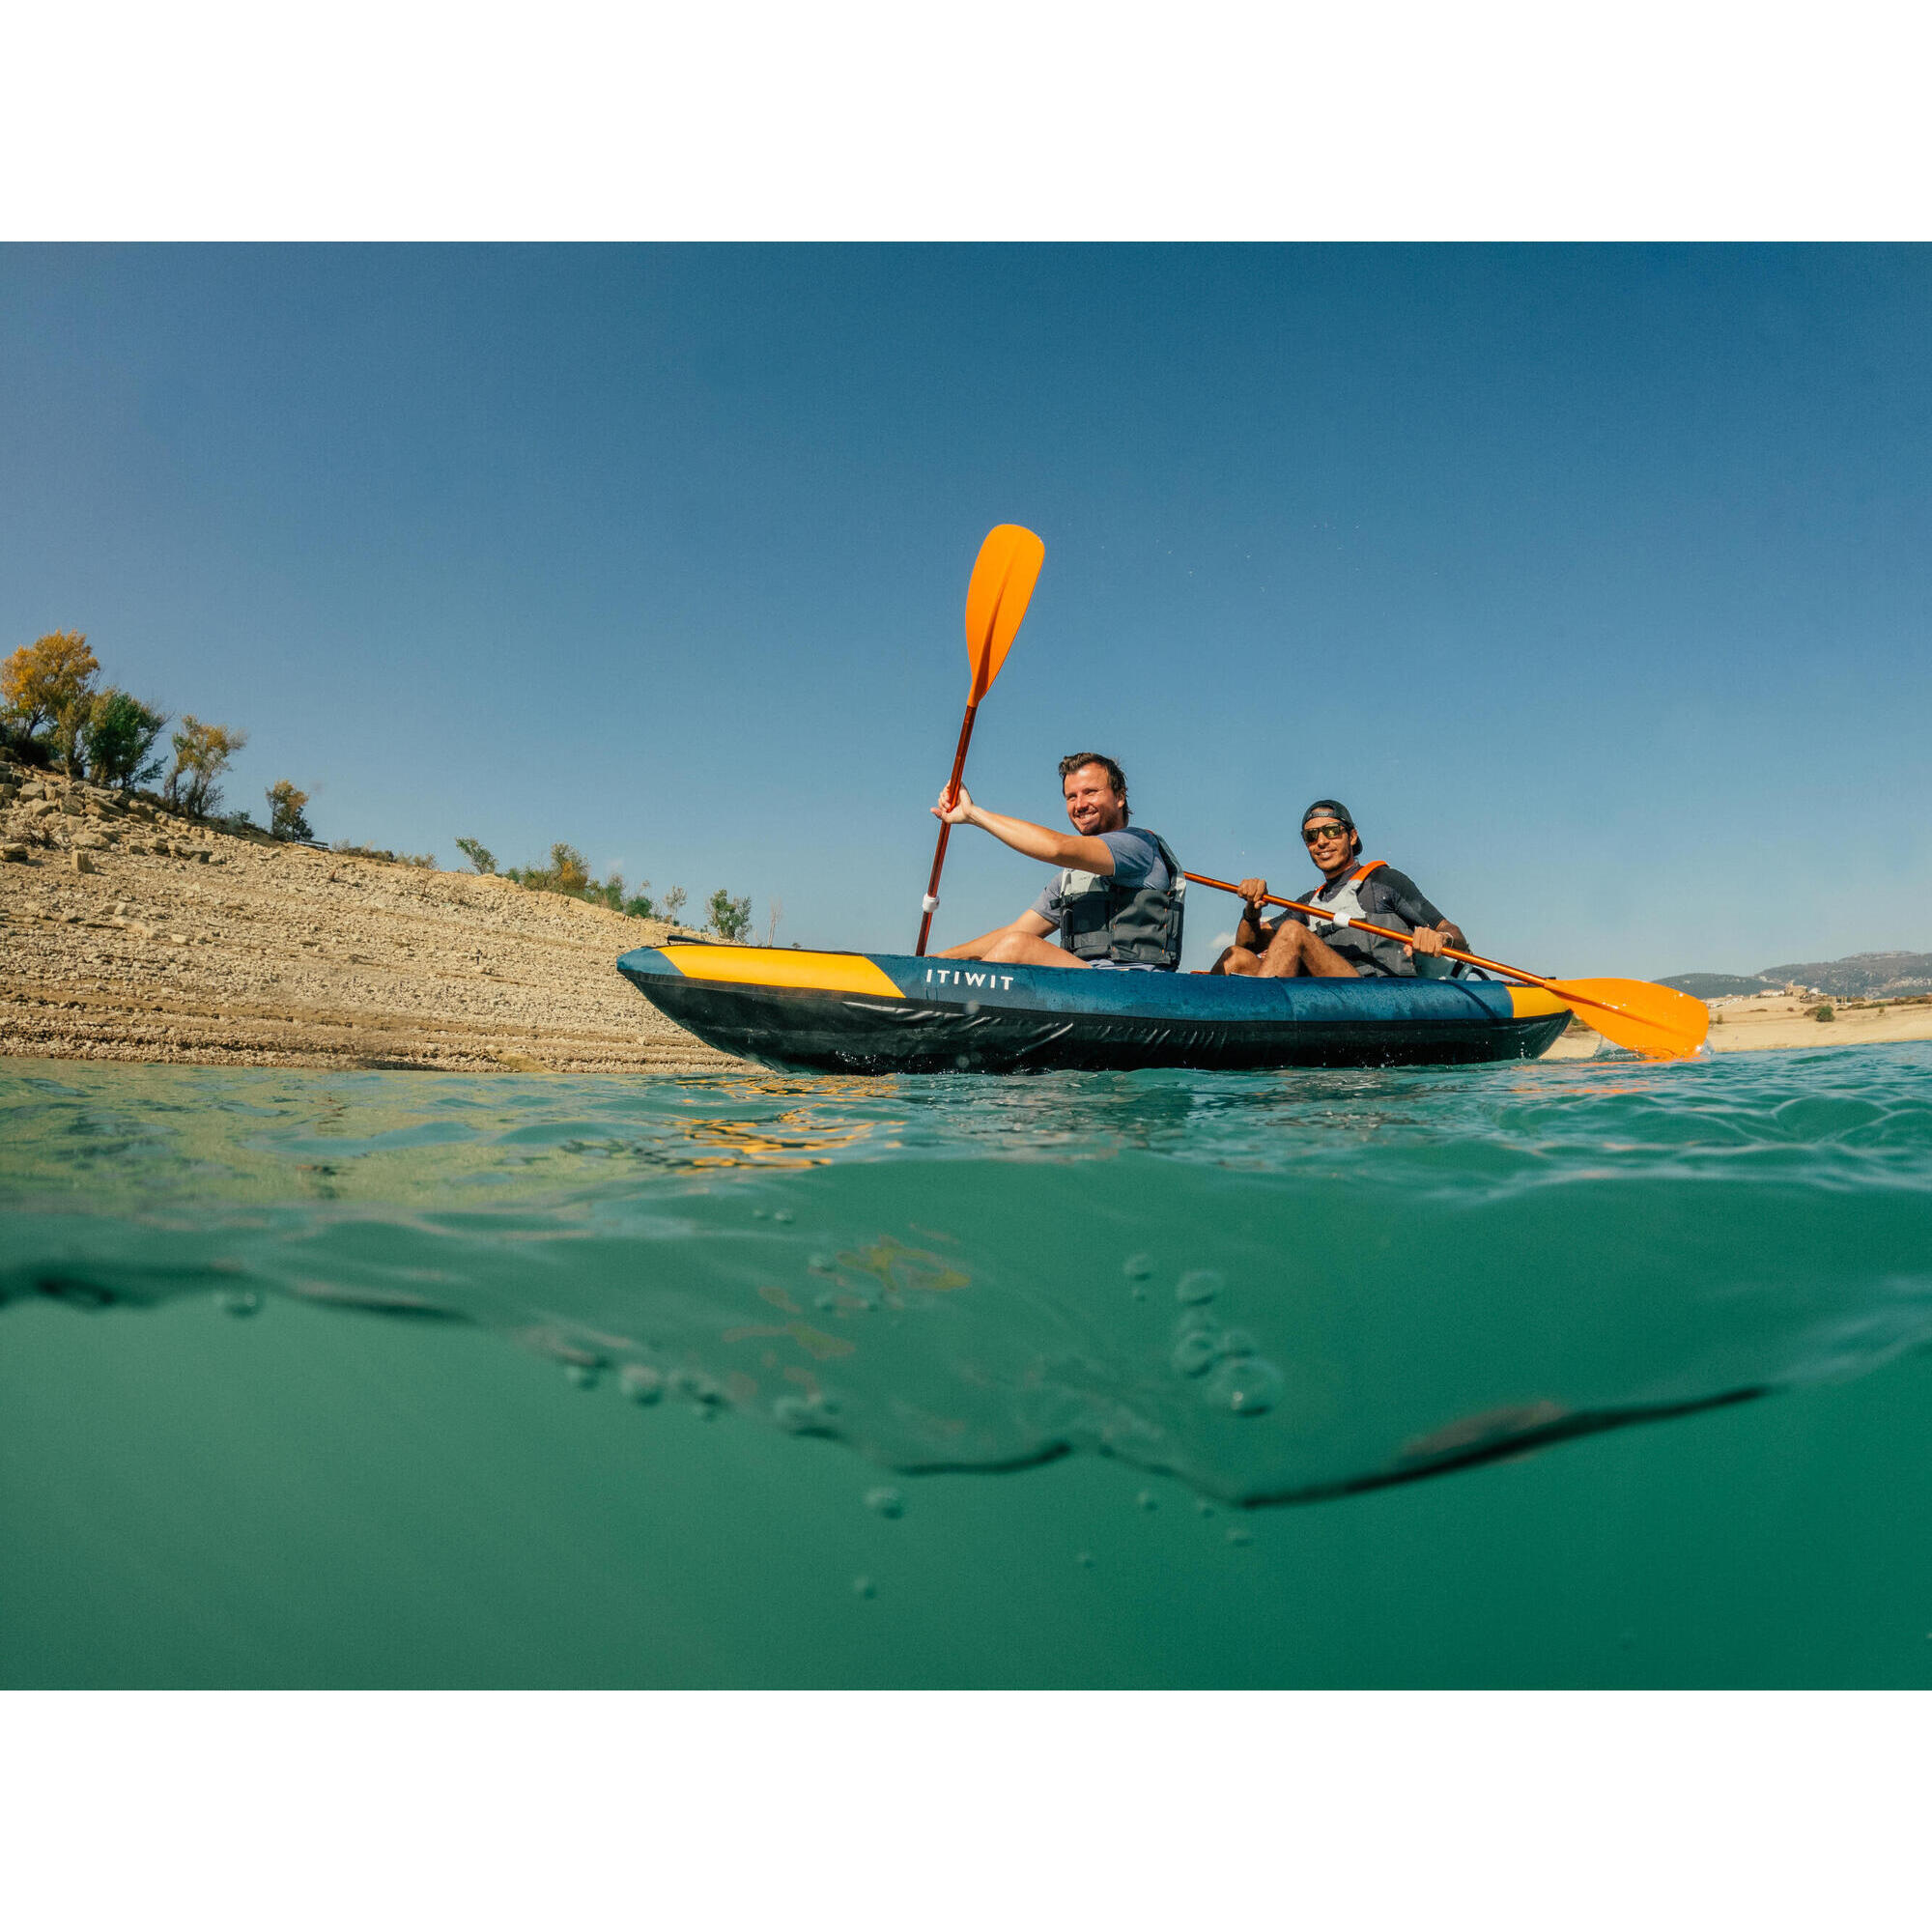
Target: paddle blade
996, 598
1658, 1021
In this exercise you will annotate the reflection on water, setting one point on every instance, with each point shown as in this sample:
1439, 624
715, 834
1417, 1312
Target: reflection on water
1275, 1286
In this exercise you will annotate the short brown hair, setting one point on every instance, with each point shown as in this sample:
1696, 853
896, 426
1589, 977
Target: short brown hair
1115, 776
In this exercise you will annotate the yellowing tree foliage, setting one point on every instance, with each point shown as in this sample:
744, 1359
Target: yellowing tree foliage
287, 814
50, 682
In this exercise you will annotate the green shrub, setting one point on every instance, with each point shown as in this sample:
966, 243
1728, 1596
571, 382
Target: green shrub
117, 738
481, 859
730, 918
1823, 1014
422, 860
567, 872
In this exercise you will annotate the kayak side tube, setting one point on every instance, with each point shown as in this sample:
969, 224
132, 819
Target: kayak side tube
862, 1012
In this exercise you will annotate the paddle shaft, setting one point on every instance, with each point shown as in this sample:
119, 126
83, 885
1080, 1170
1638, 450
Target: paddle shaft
945, 830
1382, 932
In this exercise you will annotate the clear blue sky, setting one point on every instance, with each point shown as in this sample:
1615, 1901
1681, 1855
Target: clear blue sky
1597, 582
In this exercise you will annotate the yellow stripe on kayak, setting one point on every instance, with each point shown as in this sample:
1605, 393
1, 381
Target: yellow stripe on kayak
1531, 1003
771, 966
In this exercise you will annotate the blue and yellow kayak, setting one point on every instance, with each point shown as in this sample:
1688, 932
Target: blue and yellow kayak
891, 1012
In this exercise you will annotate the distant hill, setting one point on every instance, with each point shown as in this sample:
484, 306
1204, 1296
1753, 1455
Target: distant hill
1717, 986
1864, 976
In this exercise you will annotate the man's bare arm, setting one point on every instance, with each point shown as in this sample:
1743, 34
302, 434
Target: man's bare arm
1249, 930
1430, 940
1035, 842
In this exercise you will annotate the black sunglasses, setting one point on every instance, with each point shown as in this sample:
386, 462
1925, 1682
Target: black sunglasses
1313, 834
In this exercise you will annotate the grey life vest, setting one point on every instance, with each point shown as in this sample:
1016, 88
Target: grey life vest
1363, 949
1133, 925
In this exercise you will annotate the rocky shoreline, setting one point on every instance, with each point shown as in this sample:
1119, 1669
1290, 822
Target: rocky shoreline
129, 932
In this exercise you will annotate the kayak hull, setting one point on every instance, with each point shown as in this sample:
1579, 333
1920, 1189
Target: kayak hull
845, 1013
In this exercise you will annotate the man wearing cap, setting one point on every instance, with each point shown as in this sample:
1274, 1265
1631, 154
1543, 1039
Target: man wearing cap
1294, 944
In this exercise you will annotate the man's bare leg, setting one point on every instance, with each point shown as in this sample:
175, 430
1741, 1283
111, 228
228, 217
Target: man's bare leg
1237, 960
1010, 947
1294, 950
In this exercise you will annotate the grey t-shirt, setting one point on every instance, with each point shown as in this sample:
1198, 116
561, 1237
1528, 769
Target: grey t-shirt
1137, 862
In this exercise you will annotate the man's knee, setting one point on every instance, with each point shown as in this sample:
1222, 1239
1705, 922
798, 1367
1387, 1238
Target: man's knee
1009, 949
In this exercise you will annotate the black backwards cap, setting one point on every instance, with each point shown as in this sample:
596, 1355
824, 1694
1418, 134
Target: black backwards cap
1333, 805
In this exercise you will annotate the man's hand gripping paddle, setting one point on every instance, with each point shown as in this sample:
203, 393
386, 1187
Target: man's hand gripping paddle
1658, 1021
996, 600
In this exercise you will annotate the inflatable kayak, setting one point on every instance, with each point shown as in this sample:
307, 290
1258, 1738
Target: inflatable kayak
887, 1012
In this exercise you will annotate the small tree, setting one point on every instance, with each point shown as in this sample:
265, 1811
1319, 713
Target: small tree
202, 753
673, 904
50, 682
120, 734
730, 918
481, 859
639, 905
285, 811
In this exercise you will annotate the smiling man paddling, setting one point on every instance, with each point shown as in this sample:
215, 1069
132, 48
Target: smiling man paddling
1377, 892
1118, 901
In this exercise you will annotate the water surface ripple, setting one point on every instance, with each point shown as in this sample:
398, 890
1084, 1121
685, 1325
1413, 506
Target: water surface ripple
1274, 1287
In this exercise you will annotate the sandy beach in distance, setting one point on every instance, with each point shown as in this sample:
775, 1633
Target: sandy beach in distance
1787, 1020
130, 933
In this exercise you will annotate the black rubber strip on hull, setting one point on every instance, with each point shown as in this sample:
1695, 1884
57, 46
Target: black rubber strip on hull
815, 1032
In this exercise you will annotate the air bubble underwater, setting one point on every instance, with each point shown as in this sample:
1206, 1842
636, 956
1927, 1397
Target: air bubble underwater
1195, 1353
1200, 1284
805, 1414
705, 1397
1244, 1385
885, 1501
641, 1382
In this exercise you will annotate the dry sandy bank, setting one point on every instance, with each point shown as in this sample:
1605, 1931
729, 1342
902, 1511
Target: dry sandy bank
181, 943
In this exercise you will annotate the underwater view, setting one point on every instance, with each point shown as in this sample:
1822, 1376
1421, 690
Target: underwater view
1603, 1371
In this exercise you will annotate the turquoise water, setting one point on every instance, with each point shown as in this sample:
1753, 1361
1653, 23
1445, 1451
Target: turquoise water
1590, 1372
